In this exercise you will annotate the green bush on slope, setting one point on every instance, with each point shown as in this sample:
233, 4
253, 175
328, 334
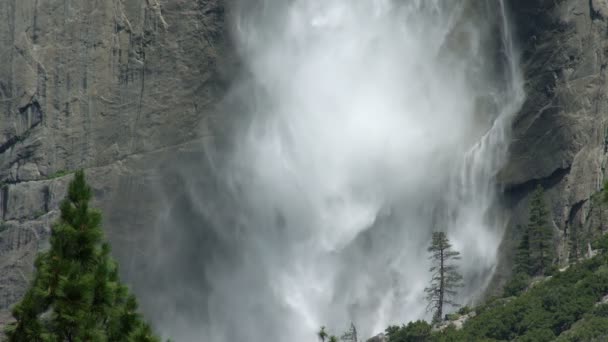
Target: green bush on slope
564, 306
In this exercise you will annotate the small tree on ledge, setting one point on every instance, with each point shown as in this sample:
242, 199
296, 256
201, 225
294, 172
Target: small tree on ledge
445, 277
322, 334
76, 294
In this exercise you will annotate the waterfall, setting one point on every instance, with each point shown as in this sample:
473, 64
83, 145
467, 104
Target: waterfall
364, 126
474, 190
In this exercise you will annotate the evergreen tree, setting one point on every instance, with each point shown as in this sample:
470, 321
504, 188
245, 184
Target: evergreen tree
540, 234
597, 202
333, 339
445, 277
522, 254
576, 243
322, 334
351, 334
76, 294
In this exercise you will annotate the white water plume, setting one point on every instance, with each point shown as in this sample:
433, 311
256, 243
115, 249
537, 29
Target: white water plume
371, 123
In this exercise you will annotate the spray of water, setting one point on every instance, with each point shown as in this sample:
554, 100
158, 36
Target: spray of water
368, 124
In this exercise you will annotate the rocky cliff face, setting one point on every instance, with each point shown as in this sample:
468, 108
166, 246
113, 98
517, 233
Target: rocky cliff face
118, 87
560, 135
125, 88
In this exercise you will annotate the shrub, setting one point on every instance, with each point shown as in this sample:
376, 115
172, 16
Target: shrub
588, 329
601, 243
465, 310
516, 285
452, 316
419, 331
543, 312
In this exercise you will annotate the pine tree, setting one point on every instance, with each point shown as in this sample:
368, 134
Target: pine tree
522, 254
351, 334
445, 277
576, 243
76, 294
540, 234
597, 203
322, 334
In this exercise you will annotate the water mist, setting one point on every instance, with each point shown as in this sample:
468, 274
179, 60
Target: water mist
367, 124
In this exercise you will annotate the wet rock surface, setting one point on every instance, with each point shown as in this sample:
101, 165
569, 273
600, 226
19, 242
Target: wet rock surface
125, 88
560, 135
116, 87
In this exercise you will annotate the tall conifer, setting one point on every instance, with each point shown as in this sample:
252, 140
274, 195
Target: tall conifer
445, 277
76, 294
576, 243
522, 254
540, 233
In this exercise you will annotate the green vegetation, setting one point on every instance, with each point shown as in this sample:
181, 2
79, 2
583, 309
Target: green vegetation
563, 306
517, 284
465, 310
534, 254
38, 214
322, 334
590, 328
576, 243
540, 234
76, 294
445, 277
597, 203
419, 331
568, 306
60, 173
4, 226
522, 254
349, 336
600, 244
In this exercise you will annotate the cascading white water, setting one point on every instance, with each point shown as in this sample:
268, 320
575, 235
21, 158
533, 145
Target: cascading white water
474, 190
372, 123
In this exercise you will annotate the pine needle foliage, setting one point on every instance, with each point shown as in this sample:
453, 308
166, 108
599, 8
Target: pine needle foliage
322, 334
76, 294
576, 243
445, 277
540, 234
522, 254
534, 254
